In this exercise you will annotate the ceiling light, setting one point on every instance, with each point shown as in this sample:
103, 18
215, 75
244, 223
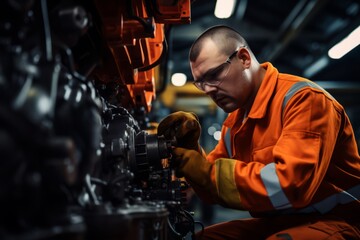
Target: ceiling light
211, 130
217, 135
224, 8
345, 45
178, 79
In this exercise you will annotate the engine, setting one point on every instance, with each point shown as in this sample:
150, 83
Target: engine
78, 160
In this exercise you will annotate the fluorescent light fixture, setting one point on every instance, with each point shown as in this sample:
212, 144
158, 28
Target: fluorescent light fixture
224, 8
345, 45
178, 79
316, 67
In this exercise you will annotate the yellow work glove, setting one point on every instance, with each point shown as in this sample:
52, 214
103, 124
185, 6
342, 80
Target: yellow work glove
184, 126
197, 171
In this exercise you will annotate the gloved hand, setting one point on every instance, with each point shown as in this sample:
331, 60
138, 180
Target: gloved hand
184, 126
196, 169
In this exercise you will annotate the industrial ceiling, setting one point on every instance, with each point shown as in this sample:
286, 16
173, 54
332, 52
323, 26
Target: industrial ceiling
294, 35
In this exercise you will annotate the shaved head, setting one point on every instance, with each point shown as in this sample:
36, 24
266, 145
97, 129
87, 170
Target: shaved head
225, 38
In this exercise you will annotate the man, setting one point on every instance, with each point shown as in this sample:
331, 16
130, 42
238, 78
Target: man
287, 154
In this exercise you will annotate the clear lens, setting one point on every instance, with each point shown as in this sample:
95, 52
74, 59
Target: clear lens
217, 75
214, 77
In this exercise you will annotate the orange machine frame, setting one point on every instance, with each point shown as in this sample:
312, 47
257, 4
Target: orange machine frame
134, 32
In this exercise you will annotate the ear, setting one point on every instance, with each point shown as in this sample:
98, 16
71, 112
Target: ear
244, 56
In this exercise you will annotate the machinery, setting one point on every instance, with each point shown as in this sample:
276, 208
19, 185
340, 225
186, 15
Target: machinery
77, 79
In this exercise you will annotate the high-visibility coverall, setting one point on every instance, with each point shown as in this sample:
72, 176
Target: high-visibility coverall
293, 159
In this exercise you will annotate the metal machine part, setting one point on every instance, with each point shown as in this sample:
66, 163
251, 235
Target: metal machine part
132, 178
75, 164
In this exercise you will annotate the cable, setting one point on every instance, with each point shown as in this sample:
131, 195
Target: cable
154, 64
47, 32
172, 229
147, 25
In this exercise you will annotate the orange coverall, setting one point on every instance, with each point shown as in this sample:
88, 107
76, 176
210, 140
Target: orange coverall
294, 165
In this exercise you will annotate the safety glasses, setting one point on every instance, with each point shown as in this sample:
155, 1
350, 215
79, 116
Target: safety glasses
216, 75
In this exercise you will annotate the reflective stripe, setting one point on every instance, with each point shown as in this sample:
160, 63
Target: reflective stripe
325, 205
280, 202
225, 182
228, 142
273, 187
298, 86
292, 90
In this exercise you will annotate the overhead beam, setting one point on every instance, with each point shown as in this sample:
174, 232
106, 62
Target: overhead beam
297, 19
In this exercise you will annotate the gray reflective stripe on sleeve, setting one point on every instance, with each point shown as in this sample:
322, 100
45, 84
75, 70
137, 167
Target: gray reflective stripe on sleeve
344, 197
228, 142
281, 202
273, 187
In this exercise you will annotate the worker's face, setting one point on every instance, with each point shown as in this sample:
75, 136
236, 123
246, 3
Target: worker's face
234, 88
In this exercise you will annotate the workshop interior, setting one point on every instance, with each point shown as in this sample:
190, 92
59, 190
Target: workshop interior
84, 83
